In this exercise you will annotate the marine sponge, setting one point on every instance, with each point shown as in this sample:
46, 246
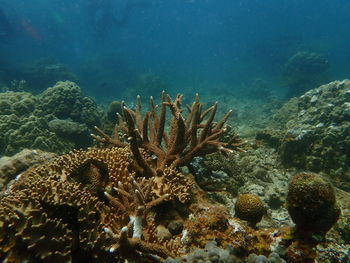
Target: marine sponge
311, 204
250, 207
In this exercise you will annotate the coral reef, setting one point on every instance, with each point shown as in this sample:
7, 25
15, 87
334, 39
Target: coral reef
135, 200
311, 132
304, 71
311, 204
75, 201
113, 192
58, 120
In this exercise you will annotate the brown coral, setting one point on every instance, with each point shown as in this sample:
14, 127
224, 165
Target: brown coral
56, 212
194, 135
311, 204
250, 207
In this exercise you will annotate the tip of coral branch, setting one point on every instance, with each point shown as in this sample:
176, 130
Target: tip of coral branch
107, 230
95, 127
106, 194
138, 96
112, 249
124, 229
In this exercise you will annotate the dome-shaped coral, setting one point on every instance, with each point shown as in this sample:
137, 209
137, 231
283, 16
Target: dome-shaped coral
250, 207
311, 204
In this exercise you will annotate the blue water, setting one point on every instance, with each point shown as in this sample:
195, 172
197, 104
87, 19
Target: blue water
191, 44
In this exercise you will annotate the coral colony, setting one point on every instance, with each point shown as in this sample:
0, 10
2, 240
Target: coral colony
131, 200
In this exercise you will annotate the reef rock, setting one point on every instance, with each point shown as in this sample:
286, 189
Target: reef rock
311, 132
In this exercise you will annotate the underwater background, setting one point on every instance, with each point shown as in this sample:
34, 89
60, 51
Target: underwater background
189, 44
174, 131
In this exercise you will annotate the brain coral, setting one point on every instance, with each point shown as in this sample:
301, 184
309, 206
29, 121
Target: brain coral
250, 207
311, 204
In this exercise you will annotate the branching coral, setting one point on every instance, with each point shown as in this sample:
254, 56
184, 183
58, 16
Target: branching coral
194, 135
103, 205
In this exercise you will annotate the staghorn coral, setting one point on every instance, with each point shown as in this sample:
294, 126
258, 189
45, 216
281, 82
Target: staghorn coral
187, 137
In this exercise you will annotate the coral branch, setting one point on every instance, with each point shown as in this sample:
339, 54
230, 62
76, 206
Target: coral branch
196, 134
